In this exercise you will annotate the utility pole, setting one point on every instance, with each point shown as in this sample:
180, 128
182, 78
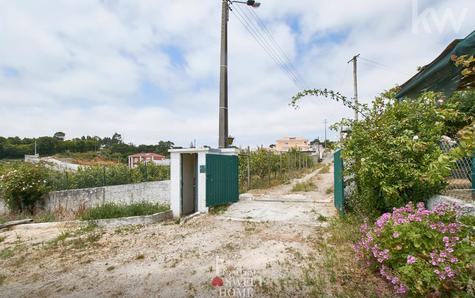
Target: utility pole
223, 77
325, 143
223, 83
355, 79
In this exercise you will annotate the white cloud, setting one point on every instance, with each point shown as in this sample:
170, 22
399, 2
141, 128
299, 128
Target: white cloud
81, 65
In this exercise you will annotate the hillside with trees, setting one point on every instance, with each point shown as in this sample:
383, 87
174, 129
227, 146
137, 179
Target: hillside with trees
113, 148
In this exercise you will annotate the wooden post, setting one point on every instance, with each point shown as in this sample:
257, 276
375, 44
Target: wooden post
248, 168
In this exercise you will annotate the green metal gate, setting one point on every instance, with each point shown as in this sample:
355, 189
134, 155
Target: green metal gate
339, 183
222, 179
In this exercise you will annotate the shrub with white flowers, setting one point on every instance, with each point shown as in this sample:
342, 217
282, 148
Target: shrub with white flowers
422, 252
23, 186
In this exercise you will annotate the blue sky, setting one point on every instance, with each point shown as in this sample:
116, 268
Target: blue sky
149, 69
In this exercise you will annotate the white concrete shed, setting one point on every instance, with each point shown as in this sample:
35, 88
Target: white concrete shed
202, 178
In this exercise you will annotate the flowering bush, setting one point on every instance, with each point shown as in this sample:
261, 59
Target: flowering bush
393, 153
23, 186
422, 252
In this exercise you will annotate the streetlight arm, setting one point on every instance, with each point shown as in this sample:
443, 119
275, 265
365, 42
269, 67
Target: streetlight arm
251, 3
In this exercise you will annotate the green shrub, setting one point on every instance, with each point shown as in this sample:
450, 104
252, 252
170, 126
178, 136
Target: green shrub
112, 210
421, 252
150, 172
394, 153
23, 186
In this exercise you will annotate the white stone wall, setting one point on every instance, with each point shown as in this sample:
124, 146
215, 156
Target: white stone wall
77, 199
465, 207
3, 208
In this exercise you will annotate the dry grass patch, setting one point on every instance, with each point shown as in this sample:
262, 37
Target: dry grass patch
82, 238
325, 169
333, 271
304, 187
2, 279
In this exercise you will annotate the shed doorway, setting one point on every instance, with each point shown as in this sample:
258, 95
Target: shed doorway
189, 183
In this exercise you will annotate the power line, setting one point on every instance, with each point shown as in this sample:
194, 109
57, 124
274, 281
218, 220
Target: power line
264, 43
271, 55
271, 37
382, 66
343, 77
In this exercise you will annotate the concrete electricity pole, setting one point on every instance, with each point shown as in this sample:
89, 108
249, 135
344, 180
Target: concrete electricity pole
223, 78
325, 122
355, 79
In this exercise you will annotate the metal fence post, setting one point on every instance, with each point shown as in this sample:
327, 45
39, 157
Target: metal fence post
67, 179
473, 176
146, 172
103, 175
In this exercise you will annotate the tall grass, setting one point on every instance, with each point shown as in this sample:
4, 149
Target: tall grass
304, 187
112, 210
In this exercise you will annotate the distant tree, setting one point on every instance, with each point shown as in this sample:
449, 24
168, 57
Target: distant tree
163, 147
112, 148
117, 138
46, 145
59, 136
315, 142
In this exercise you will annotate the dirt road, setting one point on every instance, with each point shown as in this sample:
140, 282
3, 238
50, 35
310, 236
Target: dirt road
255, 248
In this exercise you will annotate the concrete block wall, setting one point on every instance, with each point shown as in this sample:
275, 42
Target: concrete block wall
76, 199
3, 208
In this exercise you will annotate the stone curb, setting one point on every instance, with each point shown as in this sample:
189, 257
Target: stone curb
106, 223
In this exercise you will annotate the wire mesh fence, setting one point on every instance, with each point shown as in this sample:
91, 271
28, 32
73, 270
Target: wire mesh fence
460, 182
98, 176
263, 168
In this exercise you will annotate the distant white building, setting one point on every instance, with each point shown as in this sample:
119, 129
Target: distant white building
136, 159
287, 143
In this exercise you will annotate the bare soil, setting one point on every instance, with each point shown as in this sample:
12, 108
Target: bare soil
255, 252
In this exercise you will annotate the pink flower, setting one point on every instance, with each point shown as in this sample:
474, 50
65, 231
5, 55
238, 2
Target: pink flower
411, 259
420, 206
396, 235
394, 280
364, 228
402, 289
